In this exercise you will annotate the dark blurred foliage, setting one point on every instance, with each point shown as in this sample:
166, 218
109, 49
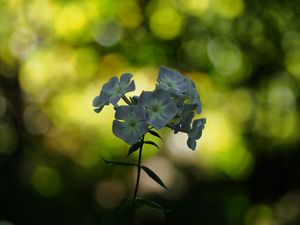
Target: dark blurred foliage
244, 57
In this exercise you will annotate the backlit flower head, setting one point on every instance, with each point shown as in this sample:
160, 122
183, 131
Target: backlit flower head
130, 123
159, 107
113, 91
171, 81
172, 104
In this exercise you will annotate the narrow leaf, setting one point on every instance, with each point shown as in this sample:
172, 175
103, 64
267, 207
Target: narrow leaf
119, 163
151, 204
134, 148
153, 175
151, 143
154, 133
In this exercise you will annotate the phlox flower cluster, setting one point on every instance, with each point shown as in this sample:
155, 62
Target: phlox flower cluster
174, 104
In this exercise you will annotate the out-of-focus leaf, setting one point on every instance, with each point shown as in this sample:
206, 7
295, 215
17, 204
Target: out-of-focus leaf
119, 163
151, 143
151, 204
121, 215
154, 133
155, 177
134, 148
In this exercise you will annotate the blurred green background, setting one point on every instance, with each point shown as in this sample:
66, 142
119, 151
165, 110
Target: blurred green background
244, 56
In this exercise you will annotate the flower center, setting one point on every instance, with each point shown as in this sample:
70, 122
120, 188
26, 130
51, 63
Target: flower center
155, 108
119, 90
132, 123
170, 84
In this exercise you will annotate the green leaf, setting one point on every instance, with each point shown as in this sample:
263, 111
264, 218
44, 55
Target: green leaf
121, 215
134, 148
154, 133
151, 143
151, 204
153, 175
119, 163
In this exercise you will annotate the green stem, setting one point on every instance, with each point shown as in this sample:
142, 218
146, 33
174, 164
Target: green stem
126, 100
138, 170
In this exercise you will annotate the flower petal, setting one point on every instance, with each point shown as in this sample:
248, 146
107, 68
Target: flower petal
169, 110
156, 120
165, 73
145, 98
123, 112
133, 126
130, 87
186, 123
191, 143
99, 103
115, 98
138, 113
125, 78
198, 126
111, 84
160, 108
118, 129
126, 133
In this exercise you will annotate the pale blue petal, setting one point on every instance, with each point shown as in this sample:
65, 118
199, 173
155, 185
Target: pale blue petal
119, 129
115, 98
162, 95
145, 98
130, 87
123, 112
141, 128
191, 143
98, 109
198, 126
166, 73
97, 102
138, 113
156, 120
186, 123
111, 84
125, 78
133, 126
169, 110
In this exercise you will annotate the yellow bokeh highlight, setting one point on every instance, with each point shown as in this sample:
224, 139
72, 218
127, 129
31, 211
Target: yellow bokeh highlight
41, 13
129, 13
47, 68
194, 7
228, 9
75, 107
221, 148
46, 181
166, 22
71, 22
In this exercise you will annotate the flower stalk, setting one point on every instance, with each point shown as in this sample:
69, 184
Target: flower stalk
126, 100
139, 167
